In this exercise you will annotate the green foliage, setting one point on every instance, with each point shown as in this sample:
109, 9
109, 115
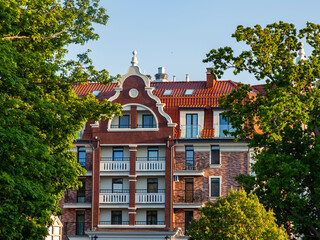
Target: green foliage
286, 146
237, 216
39, 113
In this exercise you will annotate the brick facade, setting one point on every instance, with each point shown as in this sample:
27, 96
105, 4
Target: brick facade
183, 186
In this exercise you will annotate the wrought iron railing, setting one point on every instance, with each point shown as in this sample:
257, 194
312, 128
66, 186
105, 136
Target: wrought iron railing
189, 164
149, 222
77, 196
114, 222
189, 196
114, 190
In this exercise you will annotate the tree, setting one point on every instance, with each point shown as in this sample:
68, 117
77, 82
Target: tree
39, 113
236, 216
281, 122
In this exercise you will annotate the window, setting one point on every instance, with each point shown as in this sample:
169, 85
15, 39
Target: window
117, 185
215, 187
96, 93
124, 121
79, 223
215, 155
152, 217
82, 156
189, 190
188, 92
81, 193
116, 217
117, 154
191, 125
225, 125
152, 186
189, 157
167, 92
147, 121
153, 153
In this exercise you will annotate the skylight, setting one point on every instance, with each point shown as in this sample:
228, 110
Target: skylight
96, 93
189, 92
167, 92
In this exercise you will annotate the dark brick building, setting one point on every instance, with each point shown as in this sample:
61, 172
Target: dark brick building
150, 170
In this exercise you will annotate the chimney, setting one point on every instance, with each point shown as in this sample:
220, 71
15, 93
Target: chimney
187, 78
210, 78
173, 78
161, 76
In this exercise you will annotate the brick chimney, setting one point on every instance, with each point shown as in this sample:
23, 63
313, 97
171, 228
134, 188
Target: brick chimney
210, 78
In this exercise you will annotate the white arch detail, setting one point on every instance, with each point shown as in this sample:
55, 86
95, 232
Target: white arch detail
137, 129
135, 71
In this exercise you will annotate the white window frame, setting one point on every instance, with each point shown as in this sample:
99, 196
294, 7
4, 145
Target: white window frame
220, 179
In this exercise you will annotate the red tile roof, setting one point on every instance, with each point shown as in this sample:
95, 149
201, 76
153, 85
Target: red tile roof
207, 133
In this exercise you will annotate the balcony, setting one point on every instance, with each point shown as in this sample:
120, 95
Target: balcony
186, 196
189, 164
190, 131
75, 228
77, 197
142, 196
114, 196
115, 164
150, 164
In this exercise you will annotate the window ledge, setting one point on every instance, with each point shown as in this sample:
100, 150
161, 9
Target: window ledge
215, 165
214, 198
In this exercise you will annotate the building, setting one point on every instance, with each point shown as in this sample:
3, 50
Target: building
150, 170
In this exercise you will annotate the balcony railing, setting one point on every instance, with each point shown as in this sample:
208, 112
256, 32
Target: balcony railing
150, 164
75, 228
186, 196
77, 197
114, 197
142, 196
114, 222
147, 125
191, 131
120, 125
219, 130
189, 164
115, 164
149, 222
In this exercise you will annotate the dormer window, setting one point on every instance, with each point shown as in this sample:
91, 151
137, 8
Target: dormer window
167, 92
188, 92
96, 93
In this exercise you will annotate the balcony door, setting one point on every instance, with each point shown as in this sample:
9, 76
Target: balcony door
152, 186
153, 153
116, 217
188, 216
189, 189
118, 154
81, 194
117, 185
191, 125
79, 223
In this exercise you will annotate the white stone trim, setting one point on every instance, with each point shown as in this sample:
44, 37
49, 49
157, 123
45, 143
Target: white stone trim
95, 124
77, 205
143, 144
132, 213
188, 173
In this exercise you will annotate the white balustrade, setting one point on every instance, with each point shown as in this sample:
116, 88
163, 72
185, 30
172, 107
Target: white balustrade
114, 166
114, 197
150, 197
151, 165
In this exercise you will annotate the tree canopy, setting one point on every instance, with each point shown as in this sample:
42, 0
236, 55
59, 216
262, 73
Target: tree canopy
236, 216
39, 113
286, 111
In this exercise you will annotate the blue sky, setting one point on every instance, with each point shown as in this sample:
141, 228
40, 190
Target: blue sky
177, 34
